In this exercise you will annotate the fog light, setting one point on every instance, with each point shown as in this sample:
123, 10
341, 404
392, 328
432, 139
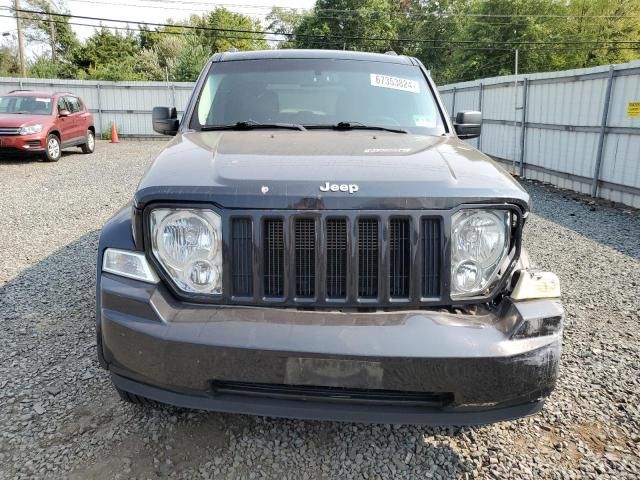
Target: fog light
467, 276
202, 274
538, 327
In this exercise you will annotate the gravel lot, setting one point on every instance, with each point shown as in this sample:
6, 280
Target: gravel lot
60, 418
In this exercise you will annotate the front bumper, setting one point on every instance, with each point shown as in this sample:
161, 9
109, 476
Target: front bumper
180, 353
22, 144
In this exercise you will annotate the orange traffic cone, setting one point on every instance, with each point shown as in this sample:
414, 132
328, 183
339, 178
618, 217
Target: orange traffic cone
114, 133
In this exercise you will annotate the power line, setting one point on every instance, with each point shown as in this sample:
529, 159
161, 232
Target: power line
343, 37
321, 13
430, 14
202, 8
326, 41
413, 14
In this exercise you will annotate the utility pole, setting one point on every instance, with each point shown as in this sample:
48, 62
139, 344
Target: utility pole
23, 71
52, 28
515, 112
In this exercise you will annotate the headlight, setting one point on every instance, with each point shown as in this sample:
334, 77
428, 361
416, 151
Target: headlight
479, 244
188, 245
30, 129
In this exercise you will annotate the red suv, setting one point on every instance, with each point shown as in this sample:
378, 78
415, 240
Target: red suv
44, 123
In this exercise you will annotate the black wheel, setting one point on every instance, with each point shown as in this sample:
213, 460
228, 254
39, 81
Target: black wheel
129, 397
90, 145
53, 151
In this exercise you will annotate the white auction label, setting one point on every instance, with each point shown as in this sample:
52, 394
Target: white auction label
397, 83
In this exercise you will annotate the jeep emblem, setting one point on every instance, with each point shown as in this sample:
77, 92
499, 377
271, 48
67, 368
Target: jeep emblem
342, 187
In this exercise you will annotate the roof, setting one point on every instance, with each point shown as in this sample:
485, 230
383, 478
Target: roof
323, 54
32, 93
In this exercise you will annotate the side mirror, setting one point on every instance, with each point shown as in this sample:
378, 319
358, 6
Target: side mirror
64, 113
165, 120
468, 124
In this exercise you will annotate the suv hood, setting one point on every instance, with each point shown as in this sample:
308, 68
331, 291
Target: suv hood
14, 120
262, 169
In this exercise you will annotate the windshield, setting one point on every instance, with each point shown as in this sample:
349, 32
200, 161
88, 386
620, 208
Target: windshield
26, 105
314, 92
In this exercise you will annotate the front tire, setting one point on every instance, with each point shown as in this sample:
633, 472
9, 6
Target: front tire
129, 397
53, 151
90, 145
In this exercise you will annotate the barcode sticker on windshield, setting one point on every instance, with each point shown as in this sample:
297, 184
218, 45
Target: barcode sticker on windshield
45, 100
396, 83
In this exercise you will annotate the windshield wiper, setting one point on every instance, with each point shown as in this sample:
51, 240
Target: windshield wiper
251, 125
357, 126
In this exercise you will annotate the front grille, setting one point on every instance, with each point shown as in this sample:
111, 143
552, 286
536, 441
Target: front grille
305, 257
368, 258
242, 257
273, 258
337, 258
349, 259
400, 258
333, 394
9, 131
431, 257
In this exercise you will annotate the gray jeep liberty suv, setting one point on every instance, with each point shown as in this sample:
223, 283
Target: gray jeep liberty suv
317, 241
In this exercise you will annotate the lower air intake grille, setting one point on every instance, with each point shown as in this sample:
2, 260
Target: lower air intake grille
333, 394
431, 257
242, 253
368, 258
336, 258
273, 258
305, 241
399, 258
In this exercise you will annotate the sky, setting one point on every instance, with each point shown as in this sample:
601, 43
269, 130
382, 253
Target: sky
149, 11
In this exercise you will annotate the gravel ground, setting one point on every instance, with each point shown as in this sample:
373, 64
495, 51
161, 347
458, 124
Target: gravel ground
60, 418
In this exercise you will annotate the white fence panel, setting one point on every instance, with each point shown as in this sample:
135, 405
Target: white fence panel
554, 133
128, 104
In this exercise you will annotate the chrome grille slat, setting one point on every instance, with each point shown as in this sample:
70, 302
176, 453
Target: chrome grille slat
9, 131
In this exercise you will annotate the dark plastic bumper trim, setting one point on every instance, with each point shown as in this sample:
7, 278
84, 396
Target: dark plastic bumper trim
329, 411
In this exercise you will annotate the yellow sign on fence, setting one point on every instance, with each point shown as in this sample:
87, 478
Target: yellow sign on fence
633, 109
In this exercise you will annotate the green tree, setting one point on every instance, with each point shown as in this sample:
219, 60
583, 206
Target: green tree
236, 31
108, 56
284, 21
330, 25
588, 23
49, 29
498, 28
434, 25
147, 65
190, 60
44, 67
168, 49
8, 61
